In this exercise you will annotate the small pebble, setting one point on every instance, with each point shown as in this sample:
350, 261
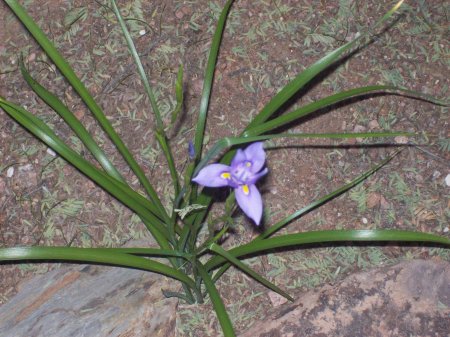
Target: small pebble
51, 152
401, 140
365, 221
142, 32
31, 57
359, 128
447, 180
446, 229
10, 171
373, 124
436, 174
276, 299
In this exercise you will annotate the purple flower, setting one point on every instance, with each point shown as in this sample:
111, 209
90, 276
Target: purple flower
245, 170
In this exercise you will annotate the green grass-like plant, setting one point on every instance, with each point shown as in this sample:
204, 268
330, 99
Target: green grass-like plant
194, 263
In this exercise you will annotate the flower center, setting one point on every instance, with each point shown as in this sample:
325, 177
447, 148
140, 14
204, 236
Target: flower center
242, 172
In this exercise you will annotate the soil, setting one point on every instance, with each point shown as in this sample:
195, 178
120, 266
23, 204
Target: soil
44, 201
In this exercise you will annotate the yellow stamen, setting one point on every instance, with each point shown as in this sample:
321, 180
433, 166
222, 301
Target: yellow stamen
248, 164
225, 175
245, 189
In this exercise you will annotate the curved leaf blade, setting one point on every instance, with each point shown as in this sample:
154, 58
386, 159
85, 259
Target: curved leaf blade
308, 74
59, 107
122, 192
217, 302
92, 255
230, 258
203, 112
160, 134
334, 99
282, 223
208, 79
79, 87
179, 95
299, 239
228, 142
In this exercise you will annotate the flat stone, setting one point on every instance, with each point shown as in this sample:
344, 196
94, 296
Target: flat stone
84, 300
408, 299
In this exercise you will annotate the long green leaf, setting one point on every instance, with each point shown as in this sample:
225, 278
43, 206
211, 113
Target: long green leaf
208, 79
45, 134
62, 110
230, 258
138, 63
216, 300
179, 95
227, 142
308, 74
203, 112
160, 134
92, 255
333, 99
299, 239
280, 224
79, 87
147, 252
122, 192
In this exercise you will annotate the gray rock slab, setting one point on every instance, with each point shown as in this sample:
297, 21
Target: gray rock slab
411, 299
91, 301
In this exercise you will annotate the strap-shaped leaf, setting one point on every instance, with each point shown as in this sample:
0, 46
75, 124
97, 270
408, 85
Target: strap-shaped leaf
203, 112
282, 223
230, 258
147, 252
227, 142
299, 239
120, 191
208, 79
308, 74
179, 95
337, 98
217, 302
138, 63
92, 255
160, 134
79, 87
63, 111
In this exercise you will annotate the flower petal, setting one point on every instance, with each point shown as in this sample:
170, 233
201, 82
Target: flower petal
256, 155
238, 158
256, 176
213, 176
249, 200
